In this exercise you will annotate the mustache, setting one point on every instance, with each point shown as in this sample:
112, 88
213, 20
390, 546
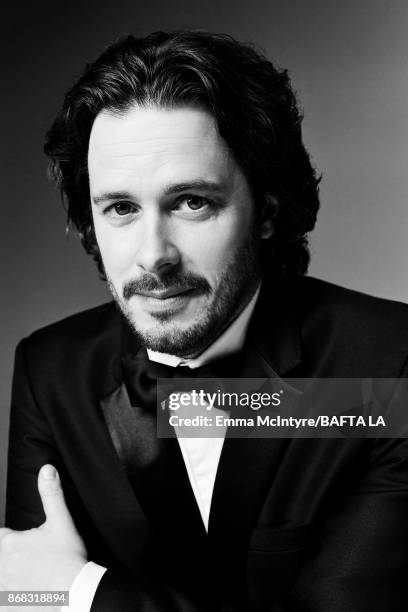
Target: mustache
179, 281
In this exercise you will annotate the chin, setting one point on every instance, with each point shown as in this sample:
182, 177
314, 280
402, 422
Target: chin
180, 344
185, 340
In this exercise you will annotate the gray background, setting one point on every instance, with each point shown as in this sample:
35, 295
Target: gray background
348, 63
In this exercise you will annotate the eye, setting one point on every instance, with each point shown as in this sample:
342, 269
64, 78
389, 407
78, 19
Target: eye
120, 213
196, 202
193, 203
121, 208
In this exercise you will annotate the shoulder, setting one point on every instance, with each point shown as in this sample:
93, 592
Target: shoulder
88, 322
347, 307
349, 331
67, 366
75, 335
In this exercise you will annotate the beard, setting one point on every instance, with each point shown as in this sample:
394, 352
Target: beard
235, 287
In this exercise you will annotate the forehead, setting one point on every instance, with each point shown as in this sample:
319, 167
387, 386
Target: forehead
149, 142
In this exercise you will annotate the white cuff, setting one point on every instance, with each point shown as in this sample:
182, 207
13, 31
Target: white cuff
83, 588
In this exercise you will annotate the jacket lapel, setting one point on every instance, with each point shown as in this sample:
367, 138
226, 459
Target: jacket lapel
151, 485
156, 474
101, 493
248, 465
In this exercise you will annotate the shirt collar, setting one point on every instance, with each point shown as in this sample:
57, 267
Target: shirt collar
230, 341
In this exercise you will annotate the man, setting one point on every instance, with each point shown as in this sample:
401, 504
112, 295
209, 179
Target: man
181, 162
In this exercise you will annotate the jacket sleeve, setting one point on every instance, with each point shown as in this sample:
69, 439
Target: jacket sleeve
31, 445
124, 592
360, 564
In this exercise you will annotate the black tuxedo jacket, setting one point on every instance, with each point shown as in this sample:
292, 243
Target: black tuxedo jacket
295, 524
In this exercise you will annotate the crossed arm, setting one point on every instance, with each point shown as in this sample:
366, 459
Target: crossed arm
41, 548
359, 564
49, 557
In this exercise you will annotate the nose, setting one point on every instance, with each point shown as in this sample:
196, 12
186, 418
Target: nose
157, 251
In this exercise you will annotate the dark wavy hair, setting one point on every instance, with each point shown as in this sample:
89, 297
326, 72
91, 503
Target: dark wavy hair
251, 100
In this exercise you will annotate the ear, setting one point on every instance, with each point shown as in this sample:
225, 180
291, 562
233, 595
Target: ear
268, 214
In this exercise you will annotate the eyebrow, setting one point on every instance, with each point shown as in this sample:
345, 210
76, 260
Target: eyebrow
198, 185
108, 196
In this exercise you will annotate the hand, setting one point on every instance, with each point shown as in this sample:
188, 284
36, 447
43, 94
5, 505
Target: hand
46, 558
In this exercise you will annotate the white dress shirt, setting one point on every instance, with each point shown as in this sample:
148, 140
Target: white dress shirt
201, 455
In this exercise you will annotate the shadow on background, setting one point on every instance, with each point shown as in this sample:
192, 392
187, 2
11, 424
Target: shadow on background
348, 63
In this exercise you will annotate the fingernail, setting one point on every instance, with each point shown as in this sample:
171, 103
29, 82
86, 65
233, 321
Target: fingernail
49, 472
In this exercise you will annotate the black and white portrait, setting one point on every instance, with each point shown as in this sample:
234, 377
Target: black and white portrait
212, 198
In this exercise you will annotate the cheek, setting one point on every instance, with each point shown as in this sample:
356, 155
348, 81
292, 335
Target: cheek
211, 251
115, 248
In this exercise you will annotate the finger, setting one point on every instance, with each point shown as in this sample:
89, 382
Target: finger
53, 500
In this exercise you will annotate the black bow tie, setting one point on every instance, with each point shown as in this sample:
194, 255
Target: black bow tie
141, 374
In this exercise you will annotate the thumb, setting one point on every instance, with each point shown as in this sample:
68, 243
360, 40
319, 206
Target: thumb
53, 500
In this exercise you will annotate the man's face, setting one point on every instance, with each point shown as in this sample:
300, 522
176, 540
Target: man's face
174, 220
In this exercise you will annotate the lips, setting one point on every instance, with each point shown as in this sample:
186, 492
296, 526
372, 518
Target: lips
164, 295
